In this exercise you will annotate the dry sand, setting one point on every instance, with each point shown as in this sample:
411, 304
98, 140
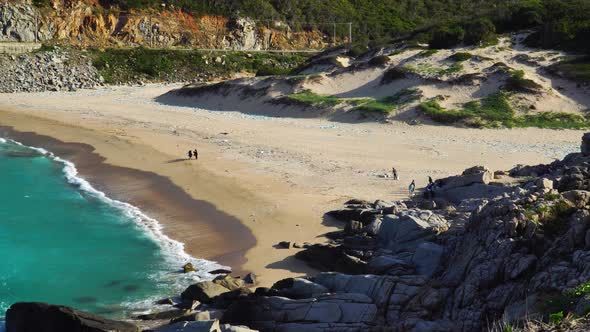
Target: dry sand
277, 176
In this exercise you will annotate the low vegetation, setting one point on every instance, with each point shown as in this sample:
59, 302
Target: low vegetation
364, 105
313, 99
518, 83
577, 69
431, 70
127, 65
427, 53
495, 111
388, 104
461, 56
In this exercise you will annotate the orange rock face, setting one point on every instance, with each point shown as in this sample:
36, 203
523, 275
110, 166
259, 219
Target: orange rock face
85, 23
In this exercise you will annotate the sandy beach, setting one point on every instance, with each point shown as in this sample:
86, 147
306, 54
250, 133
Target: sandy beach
275, 176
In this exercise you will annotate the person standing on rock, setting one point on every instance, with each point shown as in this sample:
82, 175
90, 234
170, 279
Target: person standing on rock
412, 188
430, 182
196, 153
394, 171
190, 154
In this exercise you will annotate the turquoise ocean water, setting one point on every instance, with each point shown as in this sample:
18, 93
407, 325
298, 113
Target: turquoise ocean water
63, 242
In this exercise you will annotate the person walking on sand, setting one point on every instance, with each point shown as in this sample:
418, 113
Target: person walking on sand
196, 153
411, 188
190, 154
394, 171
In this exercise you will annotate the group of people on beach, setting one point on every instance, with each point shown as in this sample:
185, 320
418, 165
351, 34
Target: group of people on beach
192, 153
428, 192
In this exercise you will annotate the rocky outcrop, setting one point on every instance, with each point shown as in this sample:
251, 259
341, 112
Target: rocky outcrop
203, 292
43, 317
83, 23
454, 269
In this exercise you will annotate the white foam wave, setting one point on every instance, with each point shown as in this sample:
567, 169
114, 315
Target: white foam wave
173, 251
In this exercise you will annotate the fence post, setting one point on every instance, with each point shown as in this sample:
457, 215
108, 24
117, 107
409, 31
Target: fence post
350, 32
36, 27
151, 31
334, 38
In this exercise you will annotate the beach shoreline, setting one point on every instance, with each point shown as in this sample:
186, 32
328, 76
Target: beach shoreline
224, 241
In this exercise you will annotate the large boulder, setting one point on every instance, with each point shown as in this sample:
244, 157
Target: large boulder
406, 232
229, 282
43, 317
585, 144
203, 291
299, 288
331, 258
477, 174
271, 313
193, 326
473, 183
427, 258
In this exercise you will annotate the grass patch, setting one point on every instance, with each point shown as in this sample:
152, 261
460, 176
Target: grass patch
430, 70
129, 65
427, 53
518, 83
368, 105
577, 69
314, 99
461, 56
388, 104
495, 111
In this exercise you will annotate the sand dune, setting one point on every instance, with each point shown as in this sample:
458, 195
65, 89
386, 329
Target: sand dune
434, 74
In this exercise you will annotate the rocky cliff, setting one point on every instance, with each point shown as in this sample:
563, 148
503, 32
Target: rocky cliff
85, 23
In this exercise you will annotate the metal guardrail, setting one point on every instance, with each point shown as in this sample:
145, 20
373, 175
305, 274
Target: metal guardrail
18, 47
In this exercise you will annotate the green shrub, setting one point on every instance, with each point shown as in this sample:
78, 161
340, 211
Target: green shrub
556, 318
447, 37
461, 56
427, 53
495, 111
480, 32
517, 83
388, 104
314, 99
576, 69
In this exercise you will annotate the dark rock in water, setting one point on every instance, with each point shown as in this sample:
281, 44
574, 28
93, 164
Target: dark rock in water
167, 301
203, 291
85, 299
250, 278
188, 304
131, 288
114, 283
43, 317
170, 314
220, 271
188, 267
